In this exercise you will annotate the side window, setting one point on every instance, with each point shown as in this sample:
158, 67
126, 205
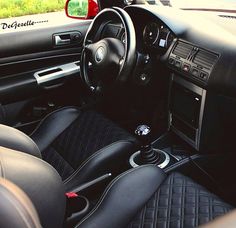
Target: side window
17, 8
20, 15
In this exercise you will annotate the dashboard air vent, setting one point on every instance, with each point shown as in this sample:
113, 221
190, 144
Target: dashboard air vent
205, 59
182, 50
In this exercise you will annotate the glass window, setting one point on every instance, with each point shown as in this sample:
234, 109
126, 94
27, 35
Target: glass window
21, 15
196, 4
16, 8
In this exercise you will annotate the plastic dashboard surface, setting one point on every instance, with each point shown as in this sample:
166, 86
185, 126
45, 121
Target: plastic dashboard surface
202, 34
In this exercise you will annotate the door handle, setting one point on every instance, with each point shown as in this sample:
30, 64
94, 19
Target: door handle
60, 41
67, 38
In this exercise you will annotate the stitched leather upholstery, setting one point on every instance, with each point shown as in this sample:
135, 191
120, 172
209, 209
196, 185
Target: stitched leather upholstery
89, 133
80, 145
180, 202
174, 201
58, 162
125, 195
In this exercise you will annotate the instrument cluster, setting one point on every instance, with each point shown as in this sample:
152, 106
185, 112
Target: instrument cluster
157, 36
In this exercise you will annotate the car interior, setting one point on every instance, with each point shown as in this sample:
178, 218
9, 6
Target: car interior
123, 118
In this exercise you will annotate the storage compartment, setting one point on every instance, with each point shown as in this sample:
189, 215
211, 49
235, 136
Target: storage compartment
185, 104
186, 109
179, 124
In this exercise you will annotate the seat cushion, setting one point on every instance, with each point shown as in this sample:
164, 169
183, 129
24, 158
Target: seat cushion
89, 133
180, 202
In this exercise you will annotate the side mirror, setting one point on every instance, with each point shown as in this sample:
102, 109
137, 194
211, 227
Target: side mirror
81, 9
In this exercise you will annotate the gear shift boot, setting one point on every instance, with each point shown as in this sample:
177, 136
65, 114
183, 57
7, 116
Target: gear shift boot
147, 154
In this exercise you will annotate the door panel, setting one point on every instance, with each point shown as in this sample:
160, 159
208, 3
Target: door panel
37, 40
23, 101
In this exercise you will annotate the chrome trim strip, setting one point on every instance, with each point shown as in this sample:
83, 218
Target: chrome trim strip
202, 108
169, 102
131, 159
162, 165
65, 70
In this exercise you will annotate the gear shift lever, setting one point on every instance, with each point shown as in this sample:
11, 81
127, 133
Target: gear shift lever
148, 155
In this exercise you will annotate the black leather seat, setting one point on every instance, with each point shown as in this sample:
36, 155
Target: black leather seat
80, 145
141, 197
180, 202
146, 197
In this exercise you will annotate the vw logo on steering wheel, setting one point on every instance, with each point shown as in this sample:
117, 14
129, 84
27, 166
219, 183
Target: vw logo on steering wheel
100, 54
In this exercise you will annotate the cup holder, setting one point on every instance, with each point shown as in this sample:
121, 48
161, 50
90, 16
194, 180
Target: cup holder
77, 208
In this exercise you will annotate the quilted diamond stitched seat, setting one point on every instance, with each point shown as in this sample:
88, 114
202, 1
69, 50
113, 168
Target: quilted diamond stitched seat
180, 203
80, 144
89, 133
145, 197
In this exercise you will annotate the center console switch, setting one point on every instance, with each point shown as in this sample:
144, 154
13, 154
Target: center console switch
192, 62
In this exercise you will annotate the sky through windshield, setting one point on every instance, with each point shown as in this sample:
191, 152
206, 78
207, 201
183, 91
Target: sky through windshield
211, 4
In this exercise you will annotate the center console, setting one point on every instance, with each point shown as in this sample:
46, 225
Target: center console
192, 67
186, 109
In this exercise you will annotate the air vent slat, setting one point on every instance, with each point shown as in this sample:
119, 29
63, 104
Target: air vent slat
182, 50
205, 59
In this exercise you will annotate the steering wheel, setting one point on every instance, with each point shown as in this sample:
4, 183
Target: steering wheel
108, 60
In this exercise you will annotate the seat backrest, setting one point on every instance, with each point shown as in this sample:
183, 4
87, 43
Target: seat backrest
16, 140
40, 181
16, 209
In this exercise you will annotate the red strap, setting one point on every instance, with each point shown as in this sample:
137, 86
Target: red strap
70, 195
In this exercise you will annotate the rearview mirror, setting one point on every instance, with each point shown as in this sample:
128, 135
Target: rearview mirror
81, 9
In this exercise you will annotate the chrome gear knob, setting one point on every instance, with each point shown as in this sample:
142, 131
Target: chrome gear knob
143, 133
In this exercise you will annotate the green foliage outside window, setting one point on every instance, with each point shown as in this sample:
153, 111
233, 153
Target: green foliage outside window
15, 8
78, 8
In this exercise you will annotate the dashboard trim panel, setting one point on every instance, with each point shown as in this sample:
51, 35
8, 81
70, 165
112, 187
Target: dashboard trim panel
200, 91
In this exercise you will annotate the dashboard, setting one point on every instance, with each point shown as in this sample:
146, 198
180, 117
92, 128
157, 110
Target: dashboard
199, 55
152, 36
197, 48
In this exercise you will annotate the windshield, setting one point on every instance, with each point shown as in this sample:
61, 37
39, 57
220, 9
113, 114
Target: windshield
198, 4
